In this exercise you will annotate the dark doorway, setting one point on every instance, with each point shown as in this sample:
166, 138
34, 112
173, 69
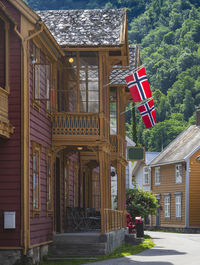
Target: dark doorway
57, 195
158, 214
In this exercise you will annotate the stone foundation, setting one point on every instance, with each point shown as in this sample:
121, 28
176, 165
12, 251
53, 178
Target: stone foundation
16, 257
114, 239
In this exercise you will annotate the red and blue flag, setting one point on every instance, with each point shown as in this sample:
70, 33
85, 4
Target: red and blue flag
147, 111
138, 85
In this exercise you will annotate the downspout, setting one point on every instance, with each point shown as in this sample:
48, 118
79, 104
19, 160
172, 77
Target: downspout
187, 193
25, 135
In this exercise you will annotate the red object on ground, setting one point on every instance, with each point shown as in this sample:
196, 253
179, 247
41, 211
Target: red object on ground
129, 223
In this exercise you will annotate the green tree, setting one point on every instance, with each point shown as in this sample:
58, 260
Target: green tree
140, 202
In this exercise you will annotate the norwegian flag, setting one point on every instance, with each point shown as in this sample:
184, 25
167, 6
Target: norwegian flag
147, 110
138, 85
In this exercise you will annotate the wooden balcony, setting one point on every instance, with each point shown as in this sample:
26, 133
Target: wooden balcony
118, 146
79, 128
5, 128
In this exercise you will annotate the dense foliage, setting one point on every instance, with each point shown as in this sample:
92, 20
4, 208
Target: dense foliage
168, 33
140, 202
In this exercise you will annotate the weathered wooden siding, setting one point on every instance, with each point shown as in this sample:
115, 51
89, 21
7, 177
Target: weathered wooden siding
168, 185
194, 191
41, 226
10, 150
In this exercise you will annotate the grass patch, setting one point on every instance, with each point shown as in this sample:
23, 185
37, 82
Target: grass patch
124, 250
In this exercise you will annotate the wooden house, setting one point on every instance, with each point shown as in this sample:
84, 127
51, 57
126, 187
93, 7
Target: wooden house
57, 114
176, 183
141, 171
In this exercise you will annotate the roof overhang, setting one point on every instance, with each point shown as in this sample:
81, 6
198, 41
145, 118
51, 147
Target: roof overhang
167, 163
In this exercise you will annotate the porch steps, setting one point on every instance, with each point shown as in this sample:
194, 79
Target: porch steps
78, 245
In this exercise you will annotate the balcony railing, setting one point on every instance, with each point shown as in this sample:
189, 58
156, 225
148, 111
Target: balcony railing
84, 125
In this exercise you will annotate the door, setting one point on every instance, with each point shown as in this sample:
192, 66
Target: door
158, 214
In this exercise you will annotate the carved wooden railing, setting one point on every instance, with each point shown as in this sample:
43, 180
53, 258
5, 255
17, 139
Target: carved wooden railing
76, 124
111, 220
80, 124
5, 128
118, 145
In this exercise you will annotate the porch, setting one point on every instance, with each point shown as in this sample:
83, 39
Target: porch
88, 244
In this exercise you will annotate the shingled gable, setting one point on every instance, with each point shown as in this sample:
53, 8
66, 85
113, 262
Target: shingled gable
118, 73
103, 27
179, 149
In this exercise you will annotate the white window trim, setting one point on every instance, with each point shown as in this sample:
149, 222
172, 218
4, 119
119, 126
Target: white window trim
146, 175
157, 169
178, 213
167, 206
178, 173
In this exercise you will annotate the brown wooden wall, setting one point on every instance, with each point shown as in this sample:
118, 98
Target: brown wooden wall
194, 191
168, 185
10, 150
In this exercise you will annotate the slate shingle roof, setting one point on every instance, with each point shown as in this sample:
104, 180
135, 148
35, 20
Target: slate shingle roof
118, 75
97, 27
177, 151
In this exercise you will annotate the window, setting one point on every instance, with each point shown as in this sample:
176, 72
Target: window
113, 111
4, 56
36, 72
48, 75
82, 83
167, 206
157, 176
36, 151
178, 173
146, 175
49, 168
178, 205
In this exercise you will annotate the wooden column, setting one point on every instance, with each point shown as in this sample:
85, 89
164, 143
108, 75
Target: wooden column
102, 189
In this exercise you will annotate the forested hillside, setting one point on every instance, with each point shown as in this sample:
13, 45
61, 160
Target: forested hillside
168, 33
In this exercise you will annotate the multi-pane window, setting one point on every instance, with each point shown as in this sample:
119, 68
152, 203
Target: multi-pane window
48, 75
167, 206
36, 175
2, 54
157, 176
82, 83
178, 173
89, 85
36, 72
113, 111
146, 175
178, 205
49, 181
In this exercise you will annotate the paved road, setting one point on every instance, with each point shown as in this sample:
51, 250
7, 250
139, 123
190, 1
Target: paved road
170, 249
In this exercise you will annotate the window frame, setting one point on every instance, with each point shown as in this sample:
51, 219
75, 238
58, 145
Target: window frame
178, 173
167, 206
36, 148
148, 175
157, 169
49, 180
6, 50
178, 195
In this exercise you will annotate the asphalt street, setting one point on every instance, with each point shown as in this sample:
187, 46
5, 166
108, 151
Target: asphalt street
170, 249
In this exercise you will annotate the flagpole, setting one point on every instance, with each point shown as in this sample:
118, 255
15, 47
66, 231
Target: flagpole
137, 105
133, 71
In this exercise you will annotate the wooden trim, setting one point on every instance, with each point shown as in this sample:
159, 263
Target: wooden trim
25, 10
38, 148
41, 244
49, 154
11, 248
